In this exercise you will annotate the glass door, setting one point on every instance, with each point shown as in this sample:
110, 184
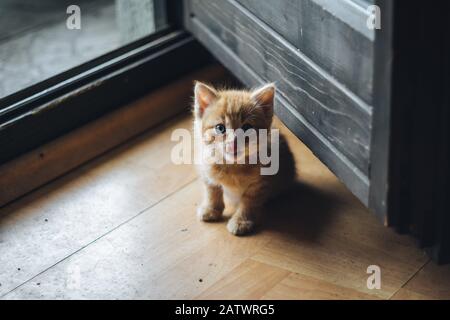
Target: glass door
41, 39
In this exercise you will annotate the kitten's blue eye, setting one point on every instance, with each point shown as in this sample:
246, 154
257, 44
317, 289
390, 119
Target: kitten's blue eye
247, 126
220, 129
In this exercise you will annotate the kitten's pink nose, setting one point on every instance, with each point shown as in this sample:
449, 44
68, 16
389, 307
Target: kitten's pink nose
231, 147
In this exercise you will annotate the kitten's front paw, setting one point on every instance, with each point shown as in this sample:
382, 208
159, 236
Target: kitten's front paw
239, 226
209, 214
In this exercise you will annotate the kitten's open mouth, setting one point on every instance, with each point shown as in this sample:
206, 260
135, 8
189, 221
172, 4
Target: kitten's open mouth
234, 153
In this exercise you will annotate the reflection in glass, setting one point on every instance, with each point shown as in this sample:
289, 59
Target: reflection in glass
36, 41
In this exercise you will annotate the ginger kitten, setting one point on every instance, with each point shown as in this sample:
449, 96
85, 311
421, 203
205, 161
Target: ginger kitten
221, 117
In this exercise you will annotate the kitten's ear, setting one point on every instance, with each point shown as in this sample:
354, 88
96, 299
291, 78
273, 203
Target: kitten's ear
264, 97
204, 96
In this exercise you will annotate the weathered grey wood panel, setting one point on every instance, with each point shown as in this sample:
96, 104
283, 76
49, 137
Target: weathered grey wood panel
357, 182
340, 116
332, 33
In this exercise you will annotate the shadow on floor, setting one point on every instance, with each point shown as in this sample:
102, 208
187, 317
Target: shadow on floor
302, 213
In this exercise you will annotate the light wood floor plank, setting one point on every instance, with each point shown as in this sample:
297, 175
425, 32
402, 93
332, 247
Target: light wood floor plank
405, 294
250, 280
300, 287
432, 282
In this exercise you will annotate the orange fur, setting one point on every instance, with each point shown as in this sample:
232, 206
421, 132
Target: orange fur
241, 182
